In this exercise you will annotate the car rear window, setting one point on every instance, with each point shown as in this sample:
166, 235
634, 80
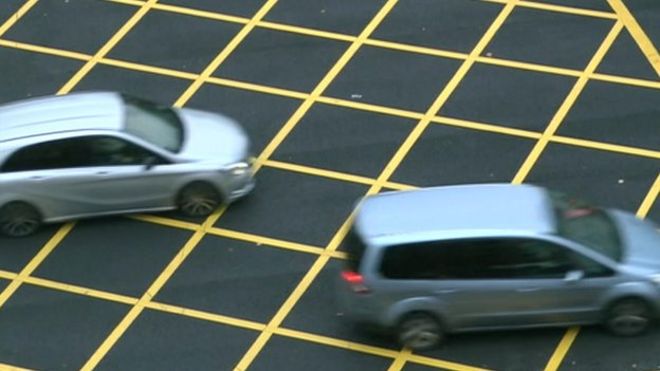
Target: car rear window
354, 247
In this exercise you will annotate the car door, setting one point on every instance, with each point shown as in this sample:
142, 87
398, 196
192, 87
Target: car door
123, 176
479, 289
562, 285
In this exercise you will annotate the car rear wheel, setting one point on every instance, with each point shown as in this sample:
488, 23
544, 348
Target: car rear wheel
628, 317
420, 331
19, 219
198, 199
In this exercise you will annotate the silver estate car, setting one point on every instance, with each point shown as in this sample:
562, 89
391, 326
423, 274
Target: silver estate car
424, 263
101, 153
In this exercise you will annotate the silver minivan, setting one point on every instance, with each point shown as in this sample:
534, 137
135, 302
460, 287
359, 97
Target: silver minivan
424, 263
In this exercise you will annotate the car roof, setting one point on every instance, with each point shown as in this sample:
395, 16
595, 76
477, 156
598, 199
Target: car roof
53, 114
477, 210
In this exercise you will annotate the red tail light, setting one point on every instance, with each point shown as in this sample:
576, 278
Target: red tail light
356, 281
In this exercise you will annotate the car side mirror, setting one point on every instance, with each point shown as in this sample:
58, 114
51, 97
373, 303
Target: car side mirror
150, 162
574, 276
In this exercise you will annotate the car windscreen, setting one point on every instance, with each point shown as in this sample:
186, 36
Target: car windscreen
354, 248
587, 225
158, 125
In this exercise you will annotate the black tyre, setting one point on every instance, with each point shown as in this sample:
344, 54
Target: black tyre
420, 331
628, 317
198, 199
19, 219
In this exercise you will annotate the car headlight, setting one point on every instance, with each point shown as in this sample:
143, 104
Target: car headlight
239, 168
655, 278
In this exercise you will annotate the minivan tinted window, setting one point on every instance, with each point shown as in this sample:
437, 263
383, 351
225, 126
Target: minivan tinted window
484, 259
354, 247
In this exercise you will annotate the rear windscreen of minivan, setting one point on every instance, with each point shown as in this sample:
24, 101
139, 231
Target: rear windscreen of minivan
354, 248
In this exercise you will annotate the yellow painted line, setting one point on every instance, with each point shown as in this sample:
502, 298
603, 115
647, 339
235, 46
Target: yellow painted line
127, 2
562, 348
337, 343
400, 360
194, 240
568, 10
45, 50
622, 80
135, 311
169, 222
606, 147
8, 275
323, 84
398, 186
306, 31
233, 44
257, 88
636, 31
84, 291
485, 127
201, 13
319, 172
428, 361
105, 49
34, 263
261, 240
206, 316
566, 105
306, 281
650, 198
370, 107
415, 49
444, 95
6, 367
529, 66
147, 68
16, 16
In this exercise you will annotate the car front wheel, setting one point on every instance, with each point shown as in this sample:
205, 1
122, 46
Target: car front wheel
420, 331
198, 200
628, 317
19, 219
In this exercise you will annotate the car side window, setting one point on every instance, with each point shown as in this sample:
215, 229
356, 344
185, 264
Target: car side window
111, 151
54, 154
533, 259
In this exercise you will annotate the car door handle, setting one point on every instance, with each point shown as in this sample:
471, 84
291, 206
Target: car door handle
528, 289
445, 291
102, 172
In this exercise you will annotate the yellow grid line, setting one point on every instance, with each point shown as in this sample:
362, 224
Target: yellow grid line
562, 349
567, 340
78, 56
17, 16
306, 281
193, 242
523, 3
105, 49
235, 322
373, 107
65, 229
636, 31
421, 126
650, 198
419, 49
6, 367
568, 103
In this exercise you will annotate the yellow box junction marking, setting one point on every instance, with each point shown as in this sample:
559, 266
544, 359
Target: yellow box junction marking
637, 33
572, 97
